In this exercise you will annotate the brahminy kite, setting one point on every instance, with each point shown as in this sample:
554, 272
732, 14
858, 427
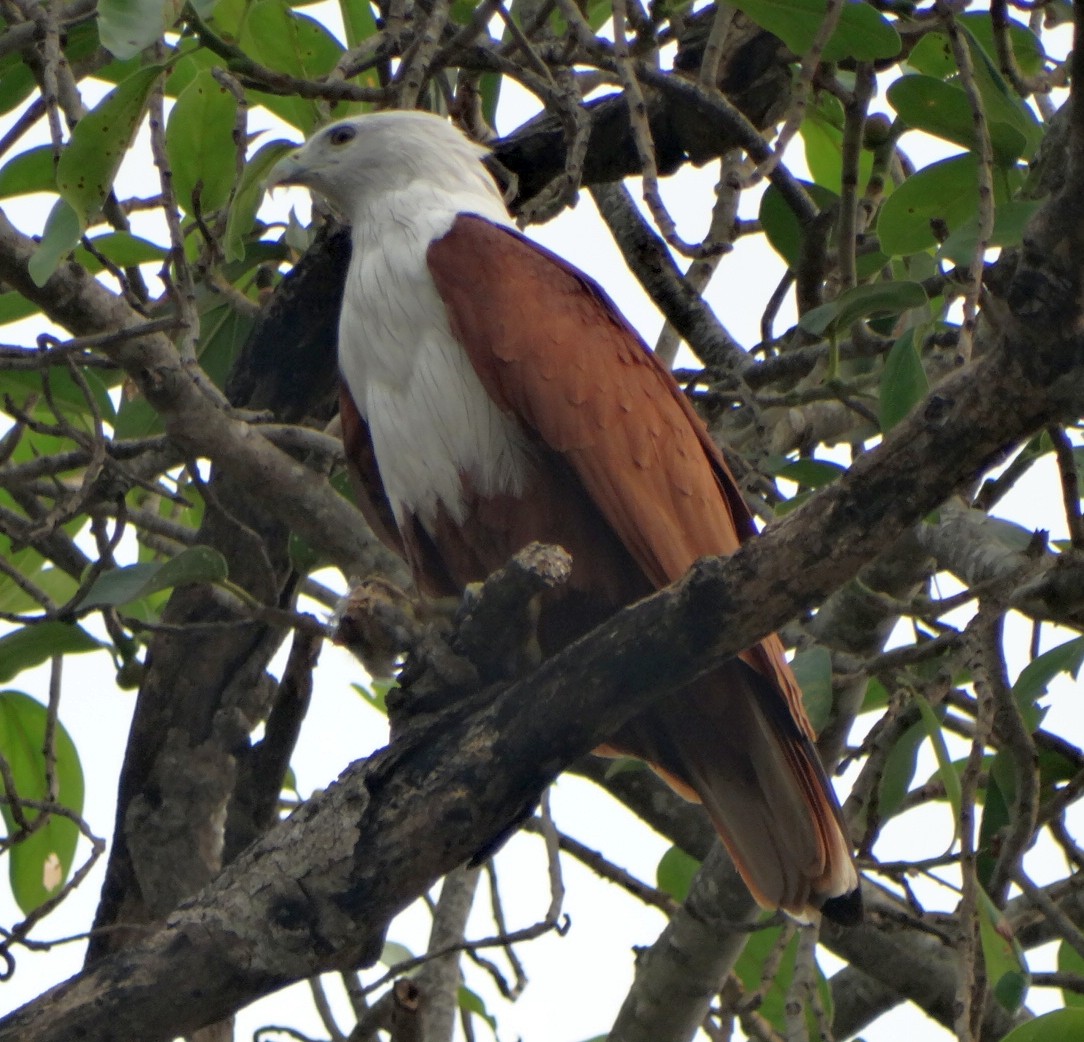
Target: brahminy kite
492, 395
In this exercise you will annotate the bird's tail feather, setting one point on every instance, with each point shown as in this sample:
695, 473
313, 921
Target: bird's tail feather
730, 742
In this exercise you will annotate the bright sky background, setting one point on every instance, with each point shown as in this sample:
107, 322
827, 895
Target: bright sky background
577, 982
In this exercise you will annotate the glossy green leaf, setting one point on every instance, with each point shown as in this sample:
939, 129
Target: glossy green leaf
281, 39
822, 136
38, 642
201, 146
250, 194
195, 564
928, 104
1063, 1025
813, 669
1071, 961
1026, 46
675, 872
14, 307
100, 141
17, 81
29, 171
39, 864
946, 191
811, 473
1000, 102
128, 27
782, 227
862, 32
903, 383
358, 20
1010, 221
60, 236
1006, 966
875, 298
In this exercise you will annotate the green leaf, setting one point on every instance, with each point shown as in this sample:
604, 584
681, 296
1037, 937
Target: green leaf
128, 27
749, 968
470, 1002
813, 668
996, 801
38, 642
1001, 103
1010, 221
62, 230
14, 307
250, 194
782, 227
876, 696
123, 249
1027, 47
67, 395
395, 953
1063, 1025
946, 191
903, 383
1036, 676
195, 564
376, 694
675, 872
1071, 961
876, 298
899, 770
99, 143
57, 583
39, 865
223, 331
929, 104
358, 21
201, 146
811, 473
1006, 966
30, 171
822, 135
862, 32
300, 46
945, 769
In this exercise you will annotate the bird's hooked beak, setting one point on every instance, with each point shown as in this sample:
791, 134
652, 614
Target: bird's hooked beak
290, 170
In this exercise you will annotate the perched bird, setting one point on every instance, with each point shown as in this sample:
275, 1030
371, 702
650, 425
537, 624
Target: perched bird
493, 395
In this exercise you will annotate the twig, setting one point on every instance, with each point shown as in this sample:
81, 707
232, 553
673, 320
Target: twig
984, 153
1070, 484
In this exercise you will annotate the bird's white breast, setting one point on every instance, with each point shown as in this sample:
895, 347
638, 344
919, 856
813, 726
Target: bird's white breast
432, 423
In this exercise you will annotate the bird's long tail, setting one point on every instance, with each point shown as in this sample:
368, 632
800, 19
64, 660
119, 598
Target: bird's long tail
731, 742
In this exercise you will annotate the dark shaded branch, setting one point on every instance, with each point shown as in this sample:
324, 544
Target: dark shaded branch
319, 890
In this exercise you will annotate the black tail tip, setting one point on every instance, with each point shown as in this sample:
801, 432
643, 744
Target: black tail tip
845, 910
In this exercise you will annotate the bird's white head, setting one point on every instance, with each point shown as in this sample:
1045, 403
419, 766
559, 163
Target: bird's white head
354, 162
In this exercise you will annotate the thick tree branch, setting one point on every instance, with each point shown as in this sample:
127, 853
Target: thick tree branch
193, 418
318, 891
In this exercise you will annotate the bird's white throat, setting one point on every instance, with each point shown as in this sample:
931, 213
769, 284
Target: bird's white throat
432, 423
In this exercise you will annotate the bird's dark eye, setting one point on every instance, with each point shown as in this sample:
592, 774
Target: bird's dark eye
342, 135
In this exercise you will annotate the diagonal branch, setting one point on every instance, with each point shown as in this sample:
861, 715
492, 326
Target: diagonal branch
319, 890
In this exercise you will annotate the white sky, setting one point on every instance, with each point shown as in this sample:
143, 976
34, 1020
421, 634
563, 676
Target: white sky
577, 982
